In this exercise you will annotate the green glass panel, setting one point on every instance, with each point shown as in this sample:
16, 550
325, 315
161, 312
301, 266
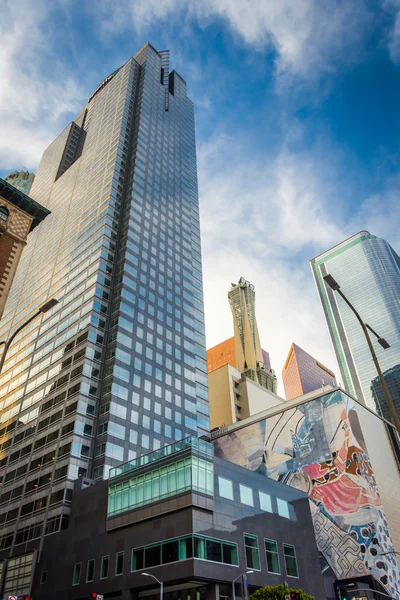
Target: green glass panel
147, 490
155, 486
164, 485
199, 547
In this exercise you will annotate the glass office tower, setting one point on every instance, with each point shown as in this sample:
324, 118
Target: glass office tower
368, 271
303, 374
118, 367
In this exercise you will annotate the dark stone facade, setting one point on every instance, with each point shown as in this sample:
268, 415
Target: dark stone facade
190, 513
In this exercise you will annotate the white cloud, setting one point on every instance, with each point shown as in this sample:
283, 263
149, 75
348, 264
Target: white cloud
379, 214
32, 103
263, 219
308, 36
392, 7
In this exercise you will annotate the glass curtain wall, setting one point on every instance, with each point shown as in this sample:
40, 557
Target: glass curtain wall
117, 368
368, 271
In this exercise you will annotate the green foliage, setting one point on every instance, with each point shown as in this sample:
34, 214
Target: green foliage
278, 592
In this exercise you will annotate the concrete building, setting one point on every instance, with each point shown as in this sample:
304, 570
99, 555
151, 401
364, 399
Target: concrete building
347, 459
193, 521
233, 397
22, 180
19, 215
118, 367
303, 374
368, 270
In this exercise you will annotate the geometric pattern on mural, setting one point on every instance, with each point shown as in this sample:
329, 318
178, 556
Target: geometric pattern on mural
318, 447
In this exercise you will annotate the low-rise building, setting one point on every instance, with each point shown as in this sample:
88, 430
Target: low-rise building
193, 521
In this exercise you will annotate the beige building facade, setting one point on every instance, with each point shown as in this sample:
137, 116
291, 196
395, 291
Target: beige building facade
233, 397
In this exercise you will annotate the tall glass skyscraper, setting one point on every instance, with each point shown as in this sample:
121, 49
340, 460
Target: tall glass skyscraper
118, 367
368, 271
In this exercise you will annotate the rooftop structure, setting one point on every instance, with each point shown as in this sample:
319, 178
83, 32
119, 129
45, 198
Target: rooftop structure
22, 180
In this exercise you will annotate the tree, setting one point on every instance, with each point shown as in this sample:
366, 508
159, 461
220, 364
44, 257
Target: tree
278, 592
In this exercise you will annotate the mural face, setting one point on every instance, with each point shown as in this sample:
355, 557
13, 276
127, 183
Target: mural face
318, 447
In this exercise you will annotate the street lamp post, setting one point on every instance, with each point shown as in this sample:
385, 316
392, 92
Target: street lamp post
333, 284
43, 309
235, 580
158, 581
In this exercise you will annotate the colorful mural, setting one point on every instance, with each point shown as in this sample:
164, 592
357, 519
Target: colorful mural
318, 447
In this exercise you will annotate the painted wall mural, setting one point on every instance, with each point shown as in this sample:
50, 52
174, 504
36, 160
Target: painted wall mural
318, 447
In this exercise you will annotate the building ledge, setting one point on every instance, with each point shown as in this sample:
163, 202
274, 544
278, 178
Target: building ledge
23, 202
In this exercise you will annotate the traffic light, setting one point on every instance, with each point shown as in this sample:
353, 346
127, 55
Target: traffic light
294, 595
26, 597
94, 596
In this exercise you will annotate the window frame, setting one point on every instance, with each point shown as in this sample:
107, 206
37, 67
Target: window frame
80, 572
4, 211
295, 558
161, 544
206, 538
122, 553
90, 561
45, 578
107, 556
277, 554
219, 488
280, 501
251, 535
240, 494
260, 494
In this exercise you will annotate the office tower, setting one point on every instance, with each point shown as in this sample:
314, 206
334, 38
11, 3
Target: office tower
303, 374
249, 355
19, 215
22, 180
118, 366
368, 271
392, 380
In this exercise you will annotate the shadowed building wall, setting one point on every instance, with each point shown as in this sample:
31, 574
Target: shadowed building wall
303, 374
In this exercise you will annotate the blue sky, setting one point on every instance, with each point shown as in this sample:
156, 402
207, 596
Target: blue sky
297, 115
